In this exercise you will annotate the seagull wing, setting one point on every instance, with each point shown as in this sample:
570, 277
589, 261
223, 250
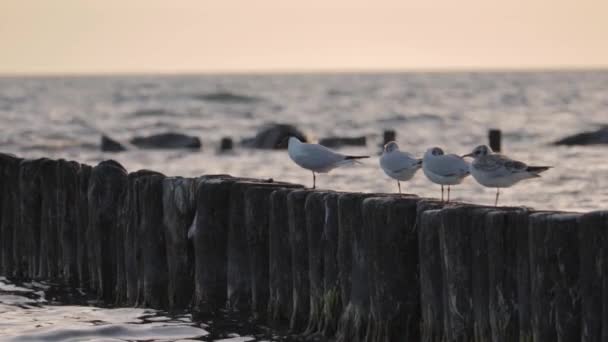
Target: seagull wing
398, 161
449, 165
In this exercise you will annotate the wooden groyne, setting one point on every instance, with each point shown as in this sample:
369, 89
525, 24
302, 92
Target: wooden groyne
318, 264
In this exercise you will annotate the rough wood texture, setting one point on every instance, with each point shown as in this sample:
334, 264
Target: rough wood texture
106, 187
390, 226
353, 257
593, 239
29, 204
257, 222
9, 213
210, 240
554, 270
431, 277
280, 277
298, 241
503, 254
179, 199
332, 304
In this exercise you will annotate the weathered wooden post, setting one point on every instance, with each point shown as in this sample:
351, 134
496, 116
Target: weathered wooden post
593, 236
210, 237
152, 239
554, 270
298, 241
49, 242
431, 277
9, 212
494, 137
82, 217
315, 224
353, 256
257, 223
106, 187
504, 268
463, 294
390, 226
29, 204
67, 189
331, 299
179, 206
280, 277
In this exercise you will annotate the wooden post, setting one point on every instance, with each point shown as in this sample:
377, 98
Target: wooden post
179, 195
257, 223
505, 260
353, 268
280, 277
390, 224
315, 224
494, 137
593, 236
106, 184
67, 190
431, 278
332, 304
554, 270
9, 213
210, 243
298, 241
29, 203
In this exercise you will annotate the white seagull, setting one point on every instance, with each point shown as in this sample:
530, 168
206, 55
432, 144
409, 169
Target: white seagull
444, 169
398, 165
317, 158
495, 170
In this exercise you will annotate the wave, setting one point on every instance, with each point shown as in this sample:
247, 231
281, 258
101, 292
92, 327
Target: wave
152, 112
227, 97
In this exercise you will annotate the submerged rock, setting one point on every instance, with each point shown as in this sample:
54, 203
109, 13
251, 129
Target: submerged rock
110, 145
343, 141
271, 137
599, 136
167, 140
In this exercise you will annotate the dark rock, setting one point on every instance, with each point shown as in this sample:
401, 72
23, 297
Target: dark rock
272, 137
167, 140
226, 144
343, 141
109, 145
586, 138
227, 97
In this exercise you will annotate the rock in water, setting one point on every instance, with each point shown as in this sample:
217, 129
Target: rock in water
167, 140
109, 145
272, 136
599, 136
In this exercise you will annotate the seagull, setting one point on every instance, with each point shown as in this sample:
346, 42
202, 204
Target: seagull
398, 165
495, 170
317, 158
444, 169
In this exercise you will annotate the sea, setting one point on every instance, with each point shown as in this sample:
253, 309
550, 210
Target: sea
65, 117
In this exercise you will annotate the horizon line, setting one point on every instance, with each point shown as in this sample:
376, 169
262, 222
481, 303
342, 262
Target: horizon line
313, 71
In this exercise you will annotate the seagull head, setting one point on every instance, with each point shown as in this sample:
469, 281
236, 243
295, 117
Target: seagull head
479, 151
390, 147
434, 151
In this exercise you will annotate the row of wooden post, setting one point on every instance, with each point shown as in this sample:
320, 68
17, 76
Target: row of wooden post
313, 264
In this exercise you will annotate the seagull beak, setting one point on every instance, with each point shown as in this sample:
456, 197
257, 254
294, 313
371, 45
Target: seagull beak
466, 155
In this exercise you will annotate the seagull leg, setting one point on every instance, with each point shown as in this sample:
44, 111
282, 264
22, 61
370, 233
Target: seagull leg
448, 194
497, 193
442, 193
314, 180
399, 185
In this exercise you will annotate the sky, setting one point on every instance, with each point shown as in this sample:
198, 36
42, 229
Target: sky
180, 36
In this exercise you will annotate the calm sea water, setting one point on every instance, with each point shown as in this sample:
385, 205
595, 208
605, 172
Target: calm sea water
65, 116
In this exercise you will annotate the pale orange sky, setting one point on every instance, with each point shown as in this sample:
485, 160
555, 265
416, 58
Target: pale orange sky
97, 36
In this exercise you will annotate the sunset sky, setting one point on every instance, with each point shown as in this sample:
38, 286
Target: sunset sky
148, 36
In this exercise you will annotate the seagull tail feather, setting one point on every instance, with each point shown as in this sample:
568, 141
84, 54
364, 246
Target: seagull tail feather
538, 169
355, 157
